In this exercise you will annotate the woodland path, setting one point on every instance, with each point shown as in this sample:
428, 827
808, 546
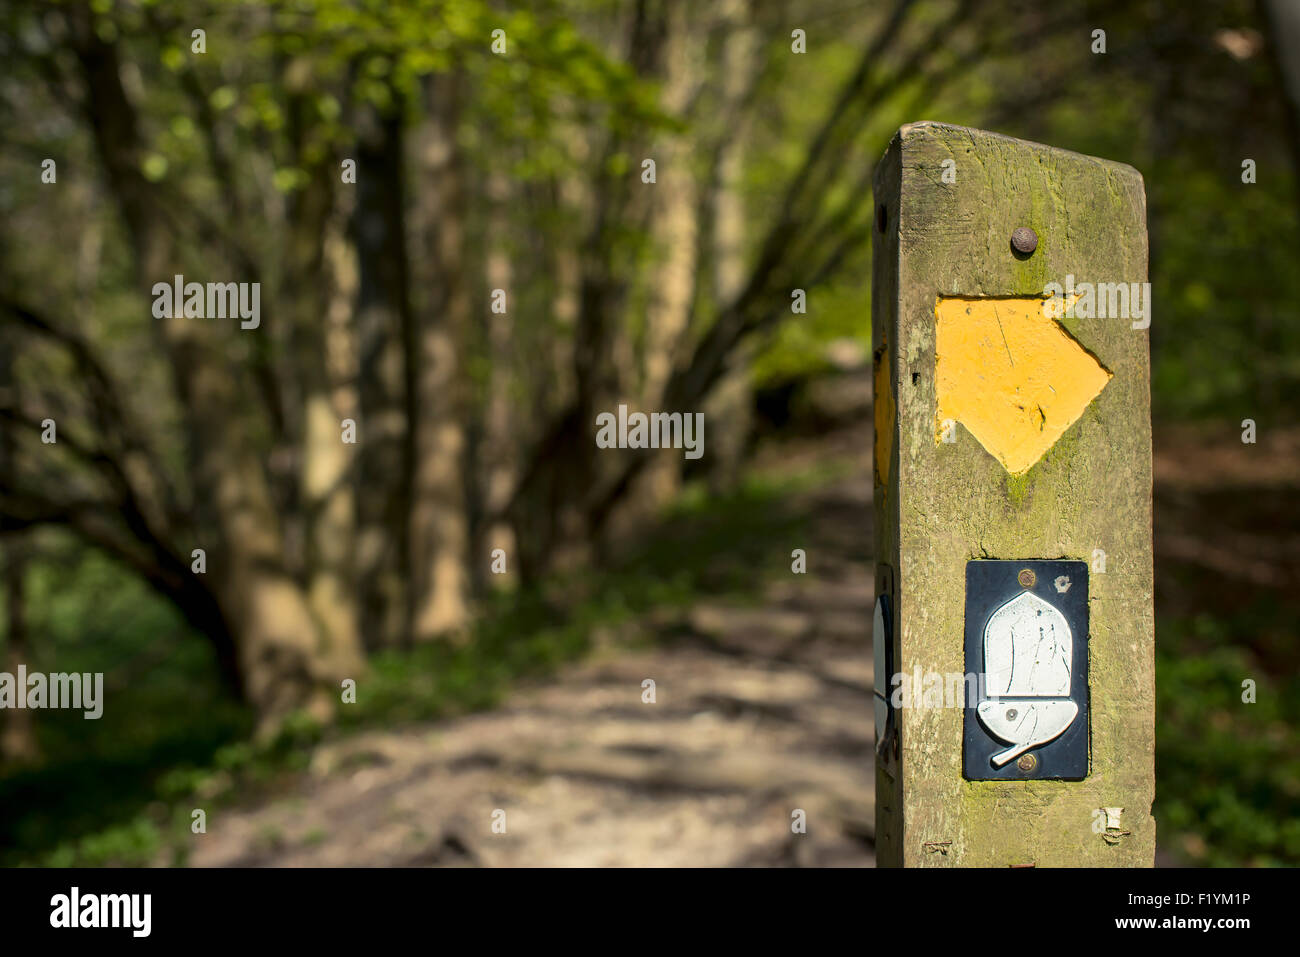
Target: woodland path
760, 709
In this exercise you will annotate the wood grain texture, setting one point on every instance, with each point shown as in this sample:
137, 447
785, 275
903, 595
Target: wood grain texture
942, 504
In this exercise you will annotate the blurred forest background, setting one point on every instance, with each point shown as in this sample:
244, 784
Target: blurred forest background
479, 170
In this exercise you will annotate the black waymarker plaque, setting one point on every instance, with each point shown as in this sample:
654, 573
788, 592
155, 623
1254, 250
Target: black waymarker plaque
1027, 632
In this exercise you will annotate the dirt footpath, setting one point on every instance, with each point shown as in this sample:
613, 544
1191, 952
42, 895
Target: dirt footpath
759, 711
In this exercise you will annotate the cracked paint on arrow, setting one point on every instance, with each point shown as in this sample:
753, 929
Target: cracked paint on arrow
1011, 375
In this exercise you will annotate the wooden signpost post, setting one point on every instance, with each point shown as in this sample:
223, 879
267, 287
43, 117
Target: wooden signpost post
1014, 628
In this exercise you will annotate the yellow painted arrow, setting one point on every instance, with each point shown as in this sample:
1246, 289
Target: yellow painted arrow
1012, 376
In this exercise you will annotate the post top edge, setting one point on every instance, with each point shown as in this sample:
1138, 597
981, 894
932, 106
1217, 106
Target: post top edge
921, 128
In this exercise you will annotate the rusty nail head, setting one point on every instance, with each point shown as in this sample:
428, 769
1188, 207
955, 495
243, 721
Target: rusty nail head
1027, 578
1024, 240
1027, 763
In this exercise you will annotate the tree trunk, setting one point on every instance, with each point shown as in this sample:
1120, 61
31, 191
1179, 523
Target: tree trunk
553, 498
1283, 21
384, 322
730, 406
325, 490
499, 447
439, 528
17, 735
539, 514
674, 234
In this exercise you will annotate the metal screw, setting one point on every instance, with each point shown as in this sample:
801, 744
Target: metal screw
1027, 763
1011, 714
1024, 240
1027, 578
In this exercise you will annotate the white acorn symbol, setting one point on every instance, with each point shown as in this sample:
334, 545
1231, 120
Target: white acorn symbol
1028, 649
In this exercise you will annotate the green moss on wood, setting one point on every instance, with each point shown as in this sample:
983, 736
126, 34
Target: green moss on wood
950, 502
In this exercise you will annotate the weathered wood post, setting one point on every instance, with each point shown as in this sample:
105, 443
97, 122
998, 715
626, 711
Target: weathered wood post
1014, 626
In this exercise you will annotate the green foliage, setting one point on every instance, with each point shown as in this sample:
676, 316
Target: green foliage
1228, 340
1225, 337
1227, 772
162, 703
798, 349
